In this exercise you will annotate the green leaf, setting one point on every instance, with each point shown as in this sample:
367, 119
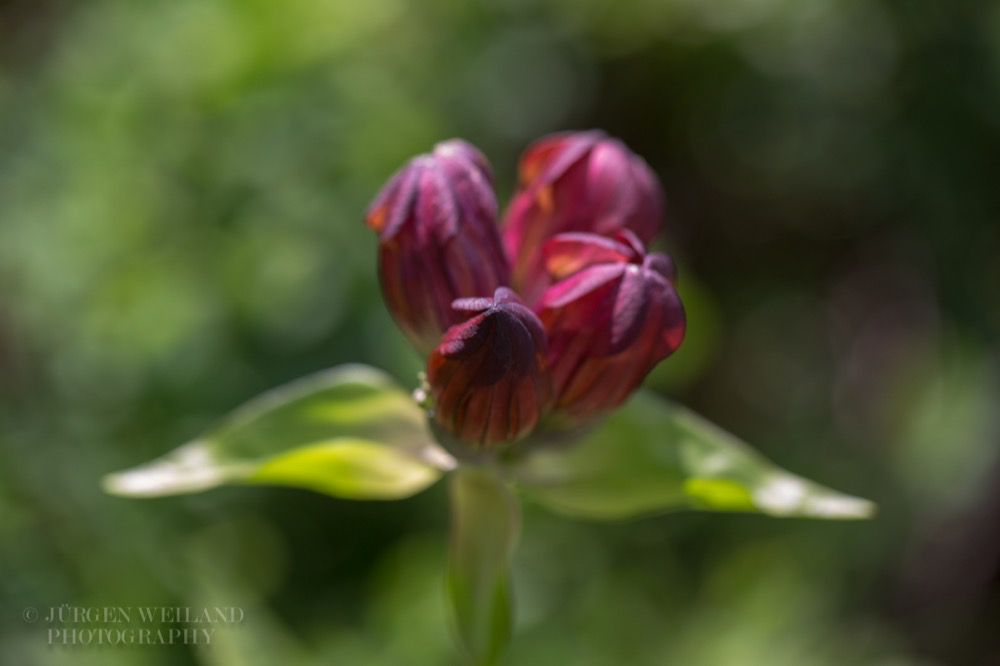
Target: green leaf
350, 432
351, 468
484, 530
653, 455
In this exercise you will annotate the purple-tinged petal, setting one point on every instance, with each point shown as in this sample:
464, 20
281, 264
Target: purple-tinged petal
608, 325
576, 182
488, 376
662, 264
568, 253
581, 285
438, 239
472, 304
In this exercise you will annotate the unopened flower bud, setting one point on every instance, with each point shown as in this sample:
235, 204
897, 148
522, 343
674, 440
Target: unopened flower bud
487, 378
576, 182
438, 239
611, 316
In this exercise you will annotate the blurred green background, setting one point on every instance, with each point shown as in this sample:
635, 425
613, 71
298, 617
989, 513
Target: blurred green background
182, 185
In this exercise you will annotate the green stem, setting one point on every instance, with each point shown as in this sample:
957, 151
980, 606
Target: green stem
485, 522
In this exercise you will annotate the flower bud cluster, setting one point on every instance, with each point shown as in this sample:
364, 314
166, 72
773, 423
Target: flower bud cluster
560, 311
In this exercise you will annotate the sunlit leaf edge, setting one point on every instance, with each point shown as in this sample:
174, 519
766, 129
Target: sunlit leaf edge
205, 463
626, 468
390, 473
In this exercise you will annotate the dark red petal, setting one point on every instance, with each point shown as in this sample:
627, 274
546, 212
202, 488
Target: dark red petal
663, 265
464, 153
570, 252
575, 182
551, 156
631, 304
579, 285
471, 304
464, 340
488, 377
438, 239
608, 325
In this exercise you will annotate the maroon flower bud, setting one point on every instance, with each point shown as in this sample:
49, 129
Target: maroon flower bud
438, 239
576, 181
487, 378
611, 317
